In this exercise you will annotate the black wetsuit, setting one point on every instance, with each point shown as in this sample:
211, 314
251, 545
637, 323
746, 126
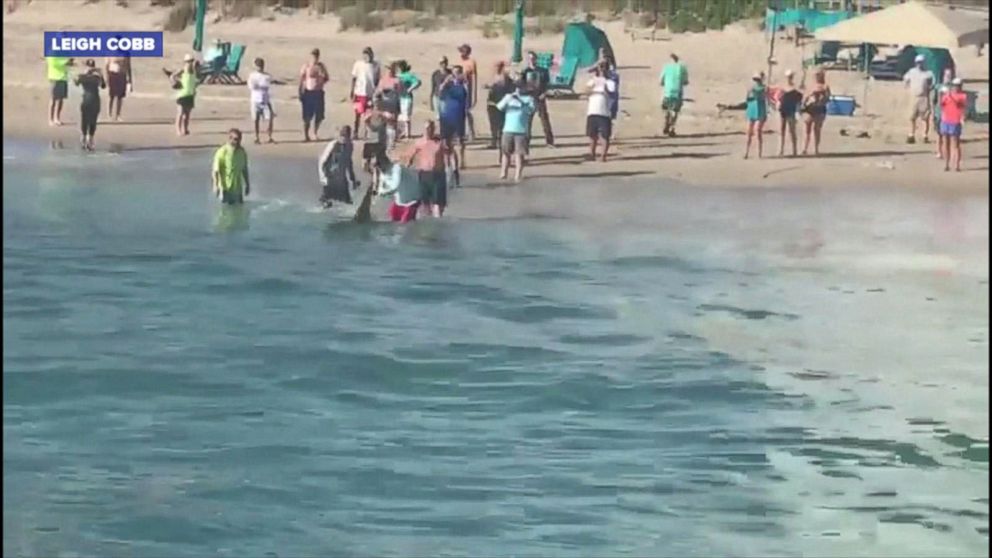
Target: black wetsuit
89, 108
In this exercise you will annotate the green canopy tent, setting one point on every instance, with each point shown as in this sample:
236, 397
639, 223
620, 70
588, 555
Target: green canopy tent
583, 41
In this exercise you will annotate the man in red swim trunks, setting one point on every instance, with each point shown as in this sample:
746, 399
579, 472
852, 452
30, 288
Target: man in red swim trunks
364, 81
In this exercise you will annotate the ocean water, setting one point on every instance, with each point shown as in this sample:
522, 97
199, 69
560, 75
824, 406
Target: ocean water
553, 370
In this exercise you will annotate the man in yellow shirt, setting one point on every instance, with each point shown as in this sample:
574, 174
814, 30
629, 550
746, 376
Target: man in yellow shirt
58, 76
230, 170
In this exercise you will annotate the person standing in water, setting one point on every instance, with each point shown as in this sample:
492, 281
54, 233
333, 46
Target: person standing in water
364, 82
404, 184
409, 83
674, 79
58, 76
336, 171
599, 125
120, 81
313, 77
185, 82
471, 71
518, 108
788, 106
429, 157
92, 82
259, 83
377, 122
230, 170
757, 113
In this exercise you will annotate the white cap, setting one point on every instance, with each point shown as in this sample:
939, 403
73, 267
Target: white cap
188, 58
920, 58
956, 81
789, 73
757, 75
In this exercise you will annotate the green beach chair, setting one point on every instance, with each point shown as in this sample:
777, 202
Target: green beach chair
229, 73
564, 80
826, 53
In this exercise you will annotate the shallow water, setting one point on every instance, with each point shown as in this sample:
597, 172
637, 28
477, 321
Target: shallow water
677, 372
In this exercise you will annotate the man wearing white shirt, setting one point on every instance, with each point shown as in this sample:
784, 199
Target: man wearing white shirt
599, 125
364, 82
259, 83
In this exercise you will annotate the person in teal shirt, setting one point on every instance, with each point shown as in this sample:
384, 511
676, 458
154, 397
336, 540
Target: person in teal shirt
757, 112
517, 108
408, 84
674, 78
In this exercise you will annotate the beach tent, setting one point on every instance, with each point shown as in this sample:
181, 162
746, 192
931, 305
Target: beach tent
912, 23
810, 20
583, 41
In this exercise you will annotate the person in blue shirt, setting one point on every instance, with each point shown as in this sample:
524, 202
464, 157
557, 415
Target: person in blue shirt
518, 107
757, 112
454, 104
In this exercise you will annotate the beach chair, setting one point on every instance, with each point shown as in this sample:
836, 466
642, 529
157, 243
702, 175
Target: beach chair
229, 73
894, 67
564, 80
825, 54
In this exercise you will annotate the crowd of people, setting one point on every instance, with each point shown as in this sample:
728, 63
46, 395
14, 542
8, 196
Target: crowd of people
382, 99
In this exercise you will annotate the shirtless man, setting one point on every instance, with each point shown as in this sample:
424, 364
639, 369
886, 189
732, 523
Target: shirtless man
313, 76
429, 156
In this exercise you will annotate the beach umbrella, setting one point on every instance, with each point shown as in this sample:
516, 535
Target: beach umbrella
912, 23
201, 14
518, 34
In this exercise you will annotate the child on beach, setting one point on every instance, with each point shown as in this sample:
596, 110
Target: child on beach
757, 113
408, 84
259, 83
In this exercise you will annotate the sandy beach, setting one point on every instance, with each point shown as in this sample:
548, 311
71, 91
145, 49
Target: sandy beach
708, 150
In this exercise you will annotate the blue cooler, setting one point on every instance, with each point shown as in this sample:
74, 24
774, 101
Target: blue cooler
840, 105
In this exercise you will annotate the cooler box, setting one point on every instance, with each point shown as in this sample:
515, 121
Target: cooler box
840, 105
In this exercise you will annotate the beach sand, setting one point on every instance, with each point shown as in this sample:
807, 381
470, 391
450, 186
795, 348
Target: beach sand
708, 150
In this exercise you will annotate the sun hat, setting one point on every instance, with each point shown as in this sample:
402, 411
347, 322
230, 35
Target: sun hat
757, 75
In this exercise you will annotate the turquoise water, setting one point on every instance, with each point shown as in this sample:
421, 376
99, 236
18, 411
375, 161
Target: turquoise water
695, 372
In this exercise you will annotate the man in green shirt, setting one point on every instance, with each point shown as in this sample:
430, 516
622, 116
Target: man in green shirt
230, 170
58, 76
674, 78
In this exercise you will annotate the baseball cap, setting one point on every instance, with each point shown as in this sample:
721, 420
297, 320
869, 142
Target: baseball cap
920, 58
757, 75
188, 58
956, 81
789, 73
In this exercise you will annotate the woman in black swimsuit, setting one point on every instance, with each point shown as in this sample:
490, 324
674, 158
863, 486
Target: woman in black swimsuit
815, 111
788, 105
92, 82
